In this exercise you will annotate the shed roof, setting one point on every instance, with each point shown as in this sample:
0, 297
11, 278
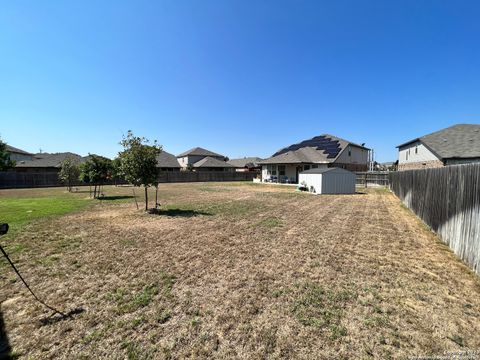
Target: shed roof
199, 151
167, 160
335, 170
210, 162
457, 141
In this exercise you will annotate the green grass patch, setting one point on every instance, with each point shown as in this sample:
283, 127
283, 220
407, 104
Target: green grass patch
270, 222
321, 308
19, 212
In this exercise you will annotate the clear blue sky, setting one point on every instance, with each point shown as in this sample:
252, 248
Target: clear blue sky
237, 77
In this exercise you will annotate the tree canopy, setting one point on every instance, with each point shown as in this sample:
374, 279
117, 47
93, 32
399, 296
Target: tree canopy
69, 172
5, 162
139, 161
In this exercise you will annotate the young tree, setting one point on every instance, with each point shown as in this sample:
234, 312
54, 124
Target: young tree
139, 162
117, 174
96, 171
5, 162
69, 172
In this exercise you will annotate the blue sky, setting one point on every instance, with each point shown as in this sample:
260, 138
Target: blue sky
241, 78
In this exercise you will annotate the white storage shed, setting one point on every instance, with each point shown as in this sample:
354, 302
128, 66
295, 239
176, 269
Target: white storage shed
329, 180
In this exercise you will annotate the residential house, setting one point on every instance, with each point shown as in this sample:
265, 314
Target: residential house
319, 152
199, 159
246, 164
457, 144
167, 162
46, 162
17, 154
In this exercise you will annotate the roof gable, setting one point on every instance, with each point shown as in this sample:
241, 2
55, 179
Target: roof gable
15, 150
199, 151
319, 149
457, 141
246, 161
167, 160
45, 160
211, 162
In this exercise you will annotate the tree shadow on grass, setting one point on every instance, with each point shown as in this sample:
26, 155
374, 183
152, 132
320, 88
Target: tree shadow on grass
115, 197
178, 212
5, 348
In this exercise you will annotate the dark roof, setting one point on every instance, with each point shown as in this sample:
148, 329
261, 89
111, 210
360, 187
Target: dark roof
320, 149
457, 141
12, 149
245, 162
199, 151
211, 162
325, 170
167, 160
45, 160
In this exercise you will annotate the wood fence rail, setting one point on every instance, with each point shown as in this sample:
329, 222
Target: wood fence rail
448, 200
377, 178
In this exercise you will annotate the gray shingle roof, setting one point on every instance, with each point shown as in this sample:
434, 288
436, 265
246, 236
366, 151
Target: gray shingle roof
12, 149
167, 160
304, 152
198, 151
244, 162
46, 160
457, 141
211, 162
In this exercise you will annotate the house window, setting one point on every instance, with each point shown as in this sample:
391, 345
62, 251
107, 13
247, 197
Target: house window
349, 151
416, 149
314, 166
281, 170
271, 169
306, 167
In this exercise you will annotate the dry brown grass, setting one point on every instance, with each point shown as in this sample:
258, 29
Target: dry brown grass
231, 271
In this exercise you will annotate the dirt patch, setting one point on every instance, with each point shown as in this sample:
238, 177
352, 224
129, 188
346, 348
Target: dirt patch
257, 272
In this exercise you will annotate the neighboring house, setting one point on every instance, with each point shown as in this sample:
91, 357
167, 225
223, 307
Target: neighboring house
192, 159
212, 164
167, 162
246, 164
319, 152
19, 154
386, 166
457, 144
45, 162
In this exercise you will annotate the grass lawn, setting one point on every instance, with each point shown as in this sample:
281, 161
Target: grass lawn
230, 270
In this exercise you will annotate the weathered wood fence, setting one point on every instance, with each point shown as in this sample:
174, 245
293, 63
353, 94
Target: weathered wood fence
11, 179
202, 176
448, 200
372, 178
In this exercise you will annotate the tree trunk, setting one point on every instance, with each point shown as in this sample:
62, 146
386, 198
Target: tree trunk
135, 197
146, 198
156, 196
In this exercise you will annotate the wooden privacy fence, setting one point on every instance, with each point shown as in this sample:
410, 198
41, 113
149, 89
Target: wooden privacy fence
13, 179
375, 178
201, 176
448, 200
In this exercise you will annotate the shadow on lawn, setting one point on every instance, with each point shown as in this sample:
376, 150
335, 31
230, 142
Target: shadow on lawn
178, 212
115, 197
4, 344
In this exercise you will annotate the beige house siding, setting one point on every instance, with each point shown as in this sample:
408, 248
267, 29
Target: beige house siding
353, 155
